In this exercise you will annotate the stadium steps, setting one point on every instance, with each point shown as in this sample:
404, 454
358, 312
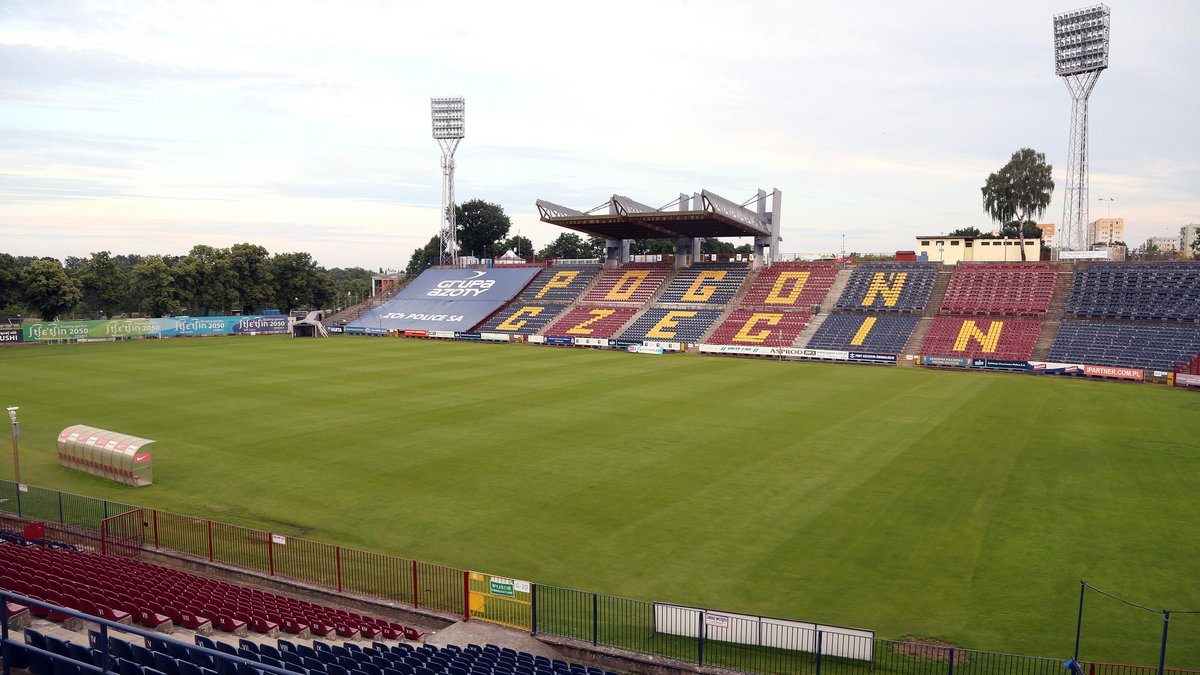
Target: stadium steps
352, 314
736, 300
937, 294
917, 338
810, 330
835, 291
1054, 315
662, 288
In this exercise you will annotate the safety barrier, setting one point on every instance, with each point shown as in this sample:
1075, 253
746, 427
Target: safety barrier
703, 636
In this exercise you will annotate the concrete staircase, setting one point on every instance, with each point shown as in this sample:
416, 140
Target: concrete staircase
810, 330
1054, 315
936, 296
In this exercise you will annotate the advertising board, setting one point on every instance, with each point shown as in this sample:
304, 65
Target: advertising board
747, 629
1056, 368
1114, 372
999, 364
1187, 380
559, 340
11, 335
870, 357
450, 299
945, 361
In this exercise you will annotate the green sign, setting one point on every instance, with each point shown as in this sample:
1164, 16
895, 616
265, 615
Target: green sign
499, 586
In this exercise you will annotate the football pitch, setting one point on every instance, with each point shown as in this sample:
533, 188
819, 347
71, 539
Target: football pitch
963, 507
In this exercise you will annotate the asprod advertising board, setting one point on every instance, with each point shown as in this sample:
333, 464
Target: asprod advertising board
449, 299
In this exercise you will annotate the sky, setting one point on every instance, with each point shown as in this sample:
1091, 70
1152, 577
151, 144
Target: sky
149, 127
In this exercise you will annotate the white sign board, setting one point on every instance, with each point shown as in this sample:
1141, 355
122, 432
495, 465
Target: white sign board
851, 643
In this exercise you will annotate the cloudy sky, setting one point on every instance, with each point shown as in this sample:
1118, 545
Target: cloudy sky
148, 127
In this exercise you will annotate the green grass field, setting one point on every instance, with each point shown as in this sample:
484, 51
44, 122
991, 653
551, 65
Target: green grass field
959, 506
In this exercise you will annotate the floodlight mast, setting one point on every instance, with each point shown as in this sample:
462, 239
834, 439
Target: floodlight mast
449, 127
1080, 53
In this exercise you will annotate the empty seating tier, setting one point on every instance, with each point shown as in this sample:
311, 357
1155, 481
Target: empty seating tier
635, 282
1020, 289
760, 327
708, 283
592, 322
982, 337
672, 325
791, 284
1163, 291
889, 287
167, 656
121, 589
885, 333
522, 318
559, 284
1132, 345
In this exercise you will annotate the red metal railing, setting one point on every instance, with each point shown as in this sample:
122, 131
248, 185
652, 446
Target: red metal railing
420, 584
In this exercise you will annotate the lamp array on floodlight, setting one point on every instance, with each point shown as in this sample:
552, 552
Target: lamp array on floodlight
449, 117
1081, 40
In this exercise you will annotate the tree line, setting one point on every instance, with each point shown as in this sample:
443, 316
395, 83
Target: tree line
208, 281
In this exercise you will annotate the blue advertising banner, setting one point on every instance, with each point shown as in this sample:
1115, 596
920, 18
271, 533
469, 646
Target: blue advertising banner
468, 336
334, 329
872, 357
449, 299
952, 361
558, 340
169, 327
999, 364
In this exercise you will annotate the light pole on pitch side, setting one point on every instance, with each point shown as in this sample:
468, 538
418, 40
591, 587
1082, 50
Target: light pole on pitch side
16, 431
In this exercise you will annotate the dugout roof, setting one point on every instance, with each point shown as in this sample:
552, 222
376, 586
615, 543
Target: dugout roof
627, 219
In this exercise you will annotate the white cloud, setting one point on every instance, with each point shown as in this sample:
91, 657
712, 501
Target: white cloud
157, 125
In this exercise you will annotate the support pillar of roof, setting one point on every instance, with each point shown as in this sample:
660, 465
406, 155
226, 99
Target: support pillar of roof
616, 252
772, 240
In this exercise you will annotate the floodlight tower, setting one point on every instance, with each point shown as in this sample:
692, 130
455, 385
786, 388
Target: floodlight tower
1080, 53
448, 129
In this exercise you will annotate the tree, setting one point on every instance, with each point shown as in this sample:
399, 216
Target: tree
423, 257
1020, 190
571, 245
480, 225
206, 280
710, 245
10, 282
250, 266
47, 289
103, 283
153, 285
521, 245
969, 232
298, 283
652, 246
350, 282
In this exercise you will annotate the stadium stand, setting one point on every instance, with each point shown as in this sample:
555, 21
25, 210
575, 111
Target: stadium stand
591, 321
791, 284
634, 282
1124, 344
166, 656
982, 338
126, 590
884, 333
559, 284
759, 327
889, 287
672, 325
522, 318
708, 283
1138, 291
1018, 289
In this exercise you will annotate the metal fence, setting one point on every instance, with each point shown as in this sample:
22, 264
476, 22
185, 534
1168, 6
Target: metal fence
777, 647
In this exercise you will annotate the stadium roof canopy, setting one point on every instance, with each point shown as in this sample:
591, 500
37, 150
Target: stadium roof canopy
627, 219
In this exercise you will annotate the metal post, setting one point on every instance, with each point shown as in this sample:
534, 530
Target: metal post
337, 554
700, 639
4, 632
154, 519
104, 537
270, 554
60, 509
466, 595
210, 543
595, 620
1079, 621
820, 635
1162, 652
104, 648
533, 610
416, 597
951, 665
